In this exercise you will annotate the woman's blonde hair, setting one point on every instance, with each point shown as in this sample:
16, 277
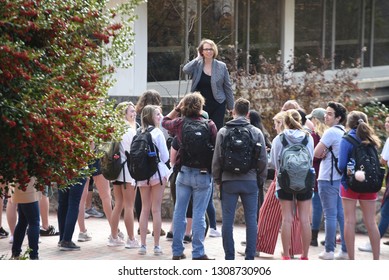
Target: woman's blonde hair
200, 48
147, 116
280, 117
122, 108
293, 119
320, 126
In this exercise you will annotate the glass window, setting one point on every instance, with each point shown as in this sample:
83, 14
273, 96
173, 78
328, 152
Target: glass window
381, 34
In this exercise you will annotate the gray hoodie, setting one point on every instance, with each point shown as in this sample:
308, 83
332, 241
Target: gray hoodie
292, 136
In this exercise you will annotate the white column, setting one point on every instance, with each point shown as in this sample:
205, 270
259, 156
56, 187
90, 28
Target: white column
287, 33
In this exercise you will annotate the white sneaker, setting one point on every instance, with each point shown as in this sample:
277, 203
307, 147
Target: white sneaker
214, 233
84, 236
365, 247
120, 234
326, 255
131, 244
115, 242
142, 250
157, 251
341, 255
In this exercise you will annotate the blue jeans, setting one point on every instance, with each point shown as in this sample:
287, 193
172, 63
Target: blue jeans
211, 211
248, 193
190, 182
384, 222
68, 204
28, 216
333, 211
317, 211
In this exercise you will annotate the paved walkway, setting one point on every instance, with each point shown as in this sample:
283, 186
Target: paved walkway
97, 248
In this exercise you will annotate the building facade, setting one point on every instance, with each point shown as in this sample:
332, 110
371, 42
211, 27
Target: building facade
348, 32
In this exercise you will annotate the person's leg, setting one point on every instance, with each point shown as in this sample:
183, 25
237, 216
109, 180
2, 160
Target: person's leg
74, 197
81, 210
349, 208
156, 205
317, 213
229, 202
44, 205
11, 211
211, 211
340, 219
286, 225
145, 213
138, 204
249, 202
19, 234
63, 205
303, 208
89, 196
368, 208
117, 211
217, 114
104, 190
329, 195
129, 201
31, 212
183, 195
201, 195
384, 221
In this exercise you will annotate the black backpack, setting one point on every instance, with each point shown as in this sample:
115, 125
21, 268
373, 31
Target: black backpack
240, 152
196, 147
111, 162
143, 158
366, 159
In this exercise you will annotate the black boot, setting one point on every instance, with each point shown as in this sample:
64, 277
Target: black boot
314, 238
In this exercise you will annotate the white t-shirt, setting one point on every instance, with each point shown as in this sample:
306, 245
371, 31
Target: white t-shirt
330, 138
385, 150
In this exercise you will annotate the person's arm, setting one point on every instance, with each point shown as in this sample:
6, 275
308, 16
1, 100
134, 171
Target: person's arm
320, 150
228, 89
191, 66
343, 158
217, 160
262, 160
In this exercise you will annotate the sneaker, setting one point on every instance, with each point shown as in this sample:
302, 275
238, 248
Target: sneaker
120, 234
3, 233
365, 247
326, 255
84, 236
92, 212
142, 250
169, 236
187, 239
131, 244
11, 239
50, 231
115, 242
214, 233
69, 246
157, 251
341, 255
86, 215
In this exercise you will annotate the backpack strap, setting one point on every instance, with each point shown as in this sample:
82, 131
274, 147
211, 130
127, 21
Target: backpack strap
334, 159
153, 149
351, 139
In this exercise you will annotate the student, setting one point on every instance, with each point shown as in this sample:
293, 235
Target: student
244, 186
293, 133
329, 179
152, 190
194, 179
361, 131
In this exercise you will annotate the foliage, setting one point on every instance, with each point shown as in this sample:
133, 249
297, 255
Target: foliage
56, 65
272, 83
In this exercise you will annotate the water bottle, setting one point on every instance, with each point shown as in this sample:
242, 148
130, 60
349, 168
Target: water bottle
351, 167
152, 154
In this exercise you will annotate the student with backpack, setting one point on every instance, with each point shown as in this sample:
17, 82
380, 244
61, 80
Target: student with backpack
123, 189
362, 179
196, 136
292, 155
240, 154
329, 179
152, 187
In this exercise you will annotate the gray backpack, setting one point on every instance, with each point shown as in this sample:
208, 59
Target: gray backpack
296, 174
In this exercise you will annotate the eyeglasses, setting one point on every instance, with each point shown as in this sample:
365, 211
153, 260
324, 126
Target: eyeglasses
208, 50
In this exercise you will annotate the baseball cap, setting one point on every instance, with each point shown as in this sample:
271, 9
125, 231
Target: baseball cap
317, 113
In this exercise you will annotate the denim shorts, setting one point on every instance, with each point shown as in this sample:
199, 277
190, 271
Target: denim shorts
281, 194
